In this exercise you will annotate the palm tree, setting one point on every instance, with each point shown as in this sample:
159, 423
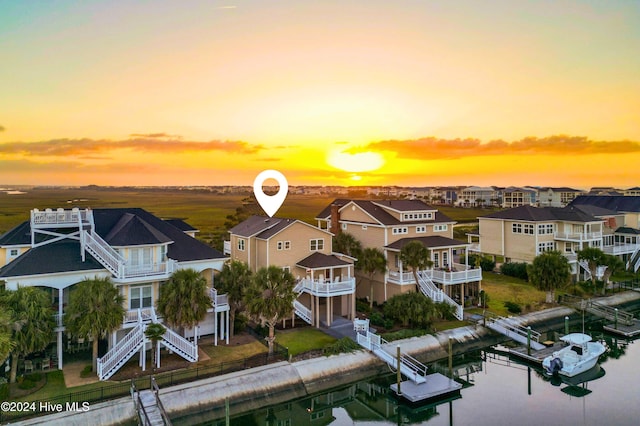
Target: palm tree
234, 279
6, 344
95, 310
594, 257
31, 322
270, 298
371, 261
154, 332
416, 256
613, 264
346, 243
183, 300
549, 270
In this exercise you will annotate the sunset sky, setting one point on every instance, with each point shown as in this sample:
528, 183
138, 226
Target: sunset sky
402, 92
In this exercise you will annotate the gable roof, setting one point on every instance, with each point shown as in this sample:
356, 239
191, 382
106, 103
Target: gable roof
18, 236
433, 241
617, 203
181, 225
61, 256
264, 227
376, 209
540, 214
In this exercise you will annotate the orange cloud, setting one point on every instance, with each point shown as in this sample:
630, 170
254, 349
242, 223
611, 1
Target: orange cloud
430, 148
86, 146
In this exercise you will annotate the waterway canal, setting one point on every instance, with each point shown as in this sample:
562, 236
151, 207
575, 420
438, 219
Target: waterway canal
497, 391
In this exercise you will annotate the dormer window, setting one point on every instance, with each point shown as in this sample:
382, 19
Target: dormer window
417, 216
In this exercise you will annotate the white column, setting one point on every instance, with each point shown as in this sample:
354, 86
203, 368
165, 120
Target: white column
59, 348
227, 315
222, 327
158, 355
215, 328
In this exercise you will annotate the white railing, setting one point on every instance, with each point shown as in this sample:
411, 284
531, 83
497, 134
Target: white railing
58, 318
434, 293
401, 278
409, 366
119, 354
577, 236
182, 346
513, 330
227, 248
455, 277
618, 249
137, 315
162, 268
220, 301
634, 260
104, 253
474, 247
327, 288
302, 311
571, 256
58, 217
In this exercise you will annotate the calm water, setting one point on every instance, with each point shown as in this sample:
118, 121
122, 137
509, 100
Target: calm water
498, 391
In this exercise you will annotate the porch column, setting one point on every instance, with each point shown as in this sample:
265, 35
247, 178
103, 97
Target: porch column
328, 313
462, 294
353, 306
228, 325
317, 311
222, 326
215, 328
114, 337
59, 349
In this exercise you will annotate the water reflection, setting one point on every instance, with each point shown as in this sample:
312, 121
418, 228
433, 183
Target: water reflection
497, 390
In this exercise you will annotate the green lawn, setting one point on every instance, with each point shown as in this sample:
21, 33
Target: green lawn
503, 288
224, 353
303, 339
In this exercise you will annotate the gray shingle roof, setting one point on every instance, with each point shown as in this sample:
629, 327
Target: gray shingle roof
543, 214
19, 235
261, 226
433, 241
611, 202
321, 260
377, 210
132, 230
181, 225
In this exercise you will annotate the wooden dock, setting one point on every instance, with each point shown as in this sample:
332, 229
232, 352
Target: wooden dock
536, 356
435, 386
626, 330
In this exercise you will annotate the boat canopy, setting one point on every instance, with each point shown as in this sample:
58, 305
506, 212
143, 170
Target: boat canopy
576, 338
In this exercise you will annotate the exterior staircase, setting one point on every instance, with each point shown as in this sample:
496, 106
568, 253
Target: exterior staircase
135, 340
410, 367
103, 252
634, 260
299, 309
429, 289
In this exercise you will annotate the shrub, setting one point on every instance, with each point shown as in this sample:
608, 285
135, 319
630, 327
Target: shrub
388, 323
513, 307
86, 371
485, 262
411, 309
362, 306
445, 311
515, 269
377, 319
240, 323
343, 345
404, 334
27, 384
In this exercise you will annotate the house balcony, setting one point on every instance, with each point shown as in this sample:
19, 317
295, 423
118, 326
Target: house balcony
227, 248
132, 273
325, 288
133, 316
220, 302
459, 274
577, 237
619, 249
59, 218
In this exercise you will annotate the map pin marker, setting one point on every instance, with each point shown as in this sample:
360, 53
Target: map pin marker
270, 203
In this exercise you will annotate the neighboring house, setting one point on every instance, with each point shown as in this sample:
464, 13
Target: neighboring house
135, 249
522, 233
325, 280
516, 197
444, 195
632, 192
556, 196
390, 224
478, 196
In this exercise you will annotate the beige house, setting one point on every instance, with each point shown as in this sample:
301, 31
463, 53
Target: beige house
56, 249
390, 224
325, 280
556, 196
522, 233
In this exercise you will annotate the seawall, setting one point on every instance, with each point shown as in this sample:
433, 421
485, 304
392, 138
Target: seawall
283, 381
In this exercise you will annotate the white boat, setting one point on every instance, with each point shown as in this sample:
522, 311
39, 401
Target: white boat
578, 356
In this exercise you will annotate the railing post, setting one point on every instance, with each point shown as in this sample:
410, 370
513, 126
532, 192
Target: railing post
529, 340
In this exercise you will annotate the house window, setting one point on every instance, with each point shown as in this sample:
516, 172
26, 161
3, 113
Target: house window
344, 226
364, 227
445, 259
400, 230
436, 260
439, 228
421, 229
140, 297
316, 244
529, 228
546, 228
516, 228
283, 245
548, 246
286, 268
241, 244
13, 252
140, 256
